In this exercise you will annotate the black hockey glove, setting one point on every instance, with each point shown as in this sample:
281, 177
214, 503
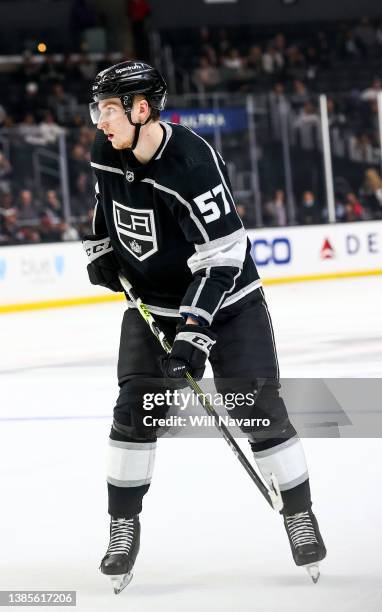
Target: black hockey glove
189, 353
103, 266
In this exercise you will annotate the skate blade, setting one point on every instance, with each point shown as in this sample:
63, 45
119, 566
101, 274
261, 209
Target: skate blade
121, 581
313, 571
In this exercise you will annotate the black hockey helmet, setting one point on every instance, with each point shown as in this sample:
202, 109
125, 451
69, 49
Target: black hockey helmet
126, 79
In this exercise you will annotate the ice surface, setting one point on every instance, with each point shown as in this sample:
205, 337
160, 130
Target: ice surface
209, 541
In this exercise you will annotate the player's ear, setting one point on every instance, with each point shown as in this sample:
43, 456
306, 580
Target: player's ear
144, 108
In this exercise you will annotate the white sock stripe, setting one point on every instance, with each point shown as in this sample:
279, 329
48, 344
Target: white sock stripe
132, 445
128, 466
278, 448
288, 464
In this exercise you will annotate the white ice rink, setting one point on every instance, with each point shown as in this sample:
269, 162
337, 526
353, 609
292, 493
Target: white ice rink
209, 541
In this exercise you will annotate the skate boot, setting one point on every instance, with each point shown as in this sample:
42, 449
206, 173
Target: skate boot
305, 540
123, 548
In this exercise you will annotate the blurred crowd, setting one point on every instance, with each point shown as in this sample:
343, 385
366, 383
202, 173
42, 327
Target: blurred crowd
44, 115
310, 210
41, 103
248, 59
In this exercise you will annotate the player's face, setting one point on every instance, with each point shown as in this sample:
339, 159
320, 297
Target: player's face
114, 123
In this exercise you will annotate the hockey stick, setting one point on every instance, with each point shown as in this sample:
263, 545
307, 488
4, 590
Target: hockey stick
272, 494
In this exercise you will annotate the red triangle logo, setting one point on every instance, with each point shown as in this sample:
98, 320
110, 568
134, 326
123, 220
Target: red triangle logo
327, 251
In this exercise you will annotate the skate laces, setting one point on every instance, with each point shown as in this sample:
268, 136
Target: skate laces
121, 536
301, 529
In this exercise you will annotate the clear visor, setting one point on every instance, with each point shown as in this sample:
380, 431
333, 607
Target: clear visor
107, 113
94, 111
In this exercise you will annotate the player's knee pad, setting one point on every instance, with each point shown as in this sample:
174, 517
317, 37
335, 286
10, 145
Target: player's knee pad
259, 405
130, 463
133, 419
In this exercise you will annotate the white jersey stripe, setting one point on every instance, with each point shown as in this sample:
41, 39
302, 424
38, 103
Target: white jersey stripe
182, 201
107, 168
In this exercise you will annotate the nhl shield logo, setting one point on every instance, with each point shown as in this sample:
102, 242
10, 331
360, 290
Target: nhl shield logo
129, 176
136, 230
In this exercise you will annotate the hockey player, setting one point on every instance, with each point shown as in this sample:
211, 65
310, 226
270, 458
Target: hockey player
165, 217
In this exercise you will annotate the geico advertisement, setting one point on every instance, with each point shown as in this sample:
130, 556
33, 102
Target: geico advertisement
318, 249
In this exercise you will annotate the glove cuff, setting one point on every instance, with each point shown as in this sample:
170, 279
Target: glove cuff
197, 336
96, 246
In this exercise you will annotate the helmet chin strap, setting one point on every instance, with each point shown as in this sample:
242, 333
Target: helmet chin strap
137, 129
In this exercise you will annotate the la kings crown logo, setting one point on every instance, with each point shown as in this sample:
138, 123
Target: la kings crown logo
136, 230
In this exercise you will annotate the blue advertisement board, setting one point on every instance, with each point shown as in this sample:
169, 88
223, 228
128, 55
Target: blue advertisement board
206, 120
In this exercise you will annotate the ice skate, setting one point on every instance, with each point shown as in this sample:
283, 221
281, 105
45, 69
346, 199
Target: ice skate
305, 540
120, 556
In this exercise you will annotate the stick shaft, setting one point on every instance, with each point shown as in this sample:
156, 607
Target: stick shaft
272, 496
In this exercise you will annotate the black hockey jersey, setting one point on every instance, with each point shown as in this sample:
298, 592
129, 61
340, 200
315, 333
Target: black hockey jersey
173, 224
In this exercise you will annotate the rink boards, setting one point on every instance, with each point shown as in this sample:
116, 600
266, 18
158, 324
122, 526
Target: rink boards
54, 275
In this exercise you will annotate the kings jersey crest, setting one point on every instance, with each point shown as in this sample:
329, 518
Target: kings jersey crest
136, 230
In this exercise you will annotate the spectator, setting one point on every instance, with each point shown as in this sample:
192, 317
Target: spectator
10, 232
86, 226
371, 192
312, 63
50, 130
223, 42
273, 61
335, 116
204, 42
295, 63
29, 131
246, 214
27, 206
361, 149
52, 205
87, 67
7, 206
206, 76
68, 232
372, 92
31, 102
308, 213
3, 116
353, 208
278, 103
307, 126
5, 174
60, 102
233, 60
340, 209
365, 33
300, 95
85, 137
48, 229
279, 43
275, 212
255, 60
378, 33
350, 46
82, 194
